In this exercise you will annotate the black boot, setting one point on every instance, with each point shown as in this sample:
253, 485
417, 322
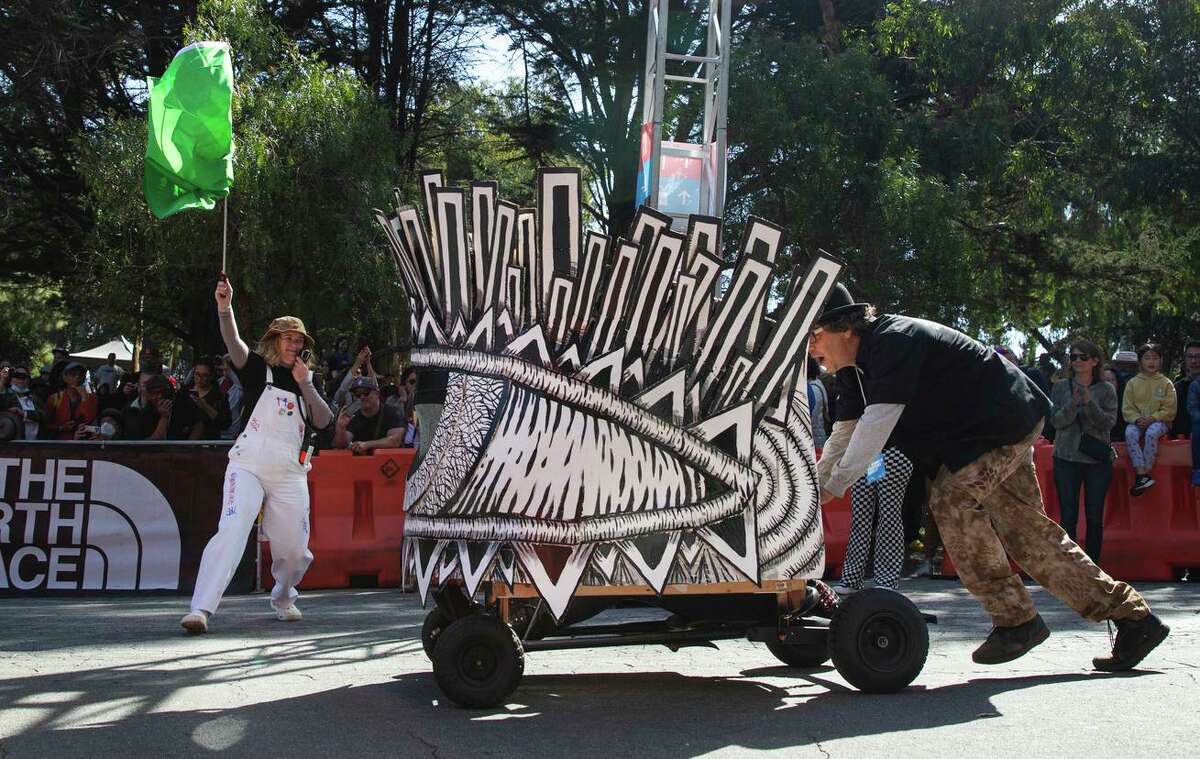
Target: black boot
1135, 639
1007, 643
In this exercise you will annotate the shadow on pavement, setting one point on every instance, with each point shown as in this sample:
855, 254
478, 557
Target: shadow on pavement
614, 714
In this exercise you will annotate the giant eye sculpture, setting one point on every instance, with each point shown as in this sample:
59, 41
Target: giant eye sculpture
609, 419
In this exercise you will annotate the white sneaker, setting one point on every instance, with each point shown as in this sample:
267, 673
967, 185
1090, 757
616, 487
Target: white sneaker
287, 613
195, 621
844, 590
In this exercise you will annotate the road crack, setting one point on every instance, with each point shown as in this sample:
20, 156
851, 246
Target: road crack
433, 749
817, 743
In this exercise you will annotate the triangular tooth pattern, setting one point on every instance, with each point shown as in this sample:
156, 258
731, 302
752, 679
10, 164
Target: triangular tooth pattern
531, 344
604, 561
747, 562
656, 574
568, 360
481, 336
474, 574
673, 387
458, 334
504, 328
447, 566
611, 362
430, 331
557, 594
506, 562
741, 419
634, 375
425, 566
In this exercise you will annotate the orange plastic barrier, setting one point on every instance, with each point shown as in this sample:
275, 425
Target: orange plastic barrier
356, 524
1150, 537
835, 516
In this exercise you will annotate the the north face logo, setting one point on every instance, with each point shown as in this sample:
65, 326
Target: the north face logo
70, 524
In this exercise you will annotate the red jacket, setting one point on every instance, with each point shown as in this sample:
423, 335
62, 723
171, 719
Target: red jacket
58, 409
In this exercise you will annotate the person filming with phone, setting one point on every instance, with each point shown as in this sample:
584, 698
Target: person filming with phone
204, 410
374, 425
268, 463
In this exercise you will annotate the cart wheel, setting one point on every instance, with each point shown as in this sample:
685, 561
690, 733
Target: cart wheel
436, 622
478, 661
800, 654
878, 640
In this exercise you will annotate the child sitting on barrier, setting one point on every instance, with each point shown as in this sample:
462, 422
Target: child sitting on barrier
1148, 407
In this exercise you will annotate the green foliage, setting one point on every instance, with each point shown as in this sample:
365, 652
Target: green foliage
313, 155
991, 165
986, 164
33, 315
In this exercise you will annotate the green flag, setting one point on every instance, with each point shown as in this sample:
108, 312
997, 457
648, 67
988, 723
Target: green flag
189, 144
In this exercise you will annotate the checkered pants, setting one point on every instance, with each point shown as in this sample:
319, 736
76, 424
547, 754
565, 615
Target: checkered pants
876, 510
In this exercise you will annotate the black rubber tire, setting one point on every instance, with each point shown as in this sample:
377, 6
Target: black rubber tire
878, 640
800, 655
478, 661
436, 621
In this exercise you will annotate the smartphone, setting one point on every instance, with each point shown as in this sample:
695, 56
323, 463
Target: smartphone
306, 355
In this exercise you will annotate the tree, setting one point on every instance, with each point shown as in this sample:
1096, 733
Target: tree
313, 155
411, 55
588, 56
983, 164
64, 67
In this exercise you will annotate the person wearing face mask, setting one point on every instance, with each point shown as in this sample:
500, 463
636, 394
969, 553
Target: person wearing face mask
72, 406
22, 401
268, 464
108, 427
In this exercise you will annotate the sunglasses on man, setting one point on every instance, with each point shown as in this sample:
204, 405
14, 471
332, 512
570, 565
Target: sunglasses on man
360, 393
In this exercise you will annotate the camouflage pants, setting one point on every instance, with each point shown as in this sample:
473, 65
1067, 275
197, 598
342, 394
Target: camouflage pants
992, 509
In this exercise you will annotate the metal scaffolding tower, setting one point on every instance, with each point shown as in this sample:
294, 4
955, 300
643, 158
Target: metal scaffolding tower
681, 178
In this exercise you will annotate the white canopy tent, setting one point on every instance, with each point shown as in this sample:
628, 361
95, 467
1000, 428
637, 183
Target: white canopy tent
98, 355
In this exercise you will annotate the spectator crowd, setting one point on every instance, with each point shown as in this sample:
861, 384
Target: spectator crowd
68, 401
1128, 398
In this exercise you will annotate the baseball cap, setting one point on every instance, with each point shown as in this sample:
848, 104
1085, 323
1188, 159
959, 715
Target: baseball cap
364, 381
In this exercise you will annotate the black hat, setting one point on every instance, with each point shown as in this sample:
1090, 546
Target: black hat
839, 304
158, 382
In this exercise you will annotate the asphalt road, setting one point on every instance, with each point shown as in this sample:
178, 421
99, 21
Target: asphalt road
115, 676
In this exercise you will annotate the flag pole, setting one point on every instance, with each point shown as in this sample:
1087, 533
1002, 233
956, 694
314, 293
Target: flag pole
224, 231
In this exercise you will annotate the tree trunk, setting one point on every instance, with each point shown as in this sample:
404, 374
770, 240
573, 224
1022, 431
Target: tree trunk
833, 30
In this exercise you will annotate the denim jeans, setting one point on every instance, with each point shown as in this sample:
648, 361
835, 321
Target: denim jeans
1095, 479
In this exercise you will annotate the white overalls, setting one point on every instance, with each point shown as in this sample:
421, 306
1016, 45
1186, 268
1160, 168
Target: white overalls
264, 470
